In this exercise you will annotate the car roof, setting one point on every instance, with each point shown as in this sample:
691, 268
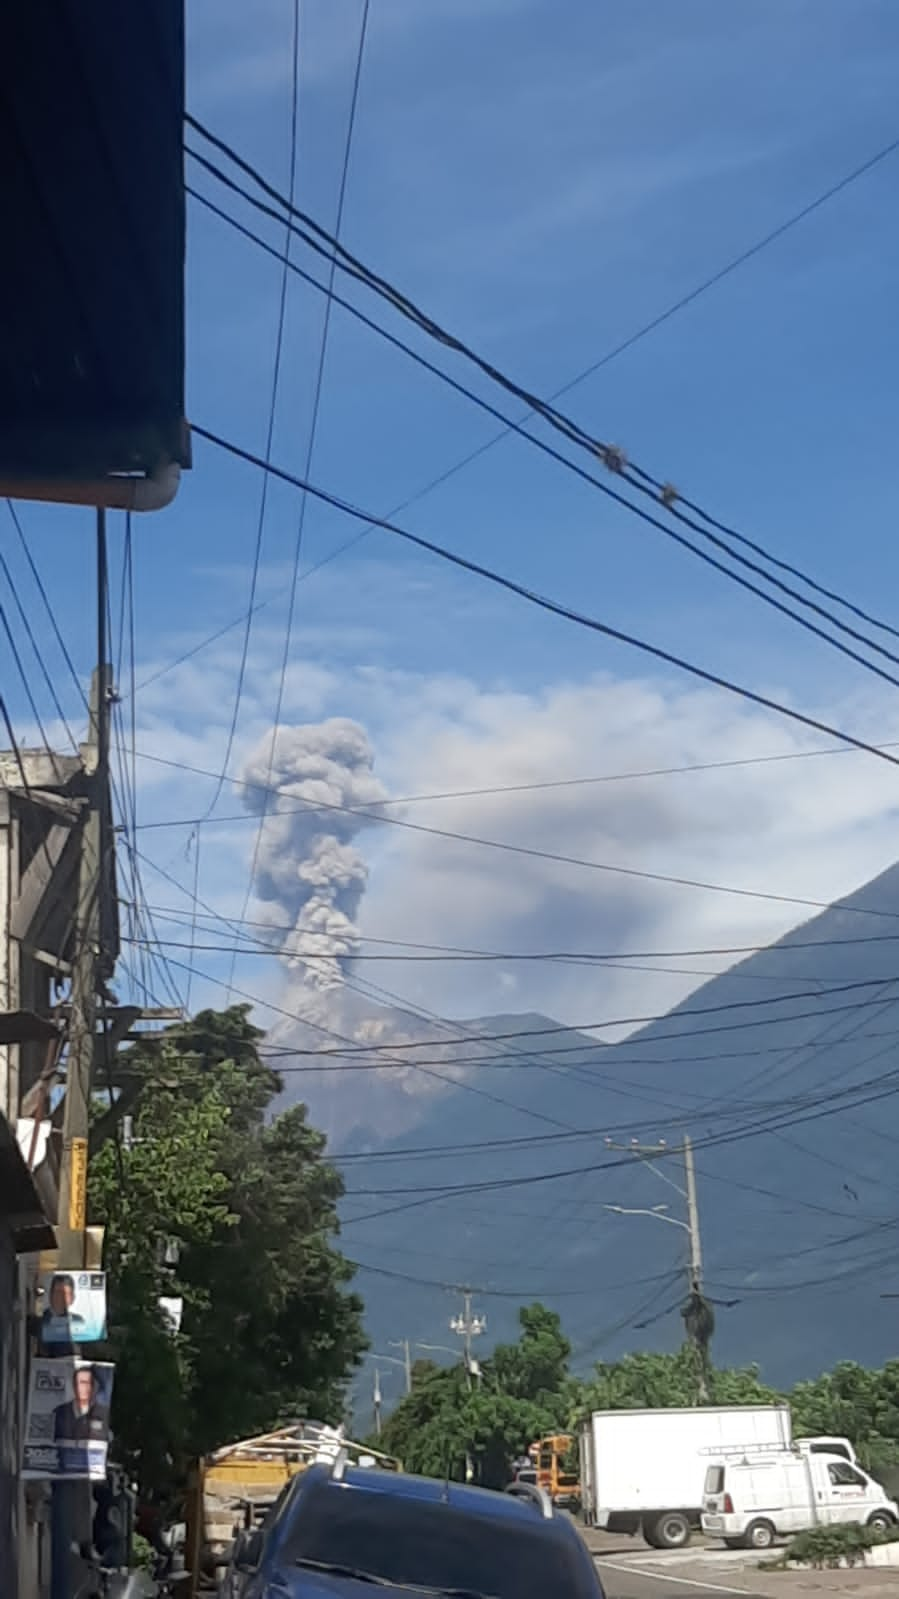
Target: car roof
484, 1502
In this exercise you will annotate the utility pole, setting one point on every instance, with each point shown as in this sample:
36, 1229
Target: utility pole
80, 1057
692, 1216
698, 1316
468, 1326
406, 1347
72, 1507
376, 1402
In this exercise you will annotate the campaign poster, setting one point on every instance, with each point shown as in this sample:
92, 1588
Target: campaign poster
72, 1307
67, 1433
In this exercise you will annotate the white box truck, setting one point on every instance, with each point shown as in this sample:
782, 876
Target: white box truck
645, 1470
752, 1497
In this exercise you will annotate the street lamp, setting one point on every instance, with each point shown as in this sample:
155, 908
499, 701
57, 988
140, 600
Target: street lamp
658, 1211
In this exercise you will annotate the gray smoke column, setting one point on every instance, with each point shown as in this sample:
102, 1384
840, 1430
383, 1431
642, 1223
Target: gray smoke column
309, 874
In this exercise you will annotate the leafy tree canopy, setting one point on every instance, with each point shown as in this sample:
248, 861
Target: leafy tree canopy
450, 1426
271, 1330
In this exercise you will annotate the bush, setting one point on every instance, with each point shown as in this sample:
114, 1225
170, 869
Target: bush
827, 1547
143, 1557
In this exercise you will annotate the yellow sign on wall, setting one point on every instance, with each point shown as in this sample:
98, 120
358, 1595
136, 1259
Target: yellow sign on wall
78, 1186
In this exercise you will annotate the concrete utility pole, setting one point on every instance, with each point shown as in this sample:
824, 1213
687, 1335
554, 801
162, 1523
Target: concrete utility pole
697, 1315
468, 1326
406, 1347
376, 1402
72, 1511
692, 1217
83, 1026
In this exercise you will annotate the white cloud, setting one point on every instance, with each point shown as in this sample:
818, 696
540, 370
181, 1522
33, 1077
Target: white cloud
810, 828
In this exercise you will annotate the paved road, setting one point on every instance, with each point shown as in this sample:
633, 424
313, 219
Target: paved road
626, 1579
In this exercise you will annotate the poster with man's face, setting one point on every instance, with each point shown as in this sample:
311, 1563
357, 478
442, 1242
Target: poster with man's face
72, 1307
67, 1434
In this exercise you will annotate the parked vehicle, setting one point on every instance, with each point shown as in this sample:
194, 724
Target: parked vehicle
237, 1486
555, 1474
337, 1527
644, 1470
751, 1498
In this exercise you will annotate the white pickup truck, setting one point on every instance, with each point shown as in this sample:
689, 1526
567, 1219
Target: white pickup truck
645, 1470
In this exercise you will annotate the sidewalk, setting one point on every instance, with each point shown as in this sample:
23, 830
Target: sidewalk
737, 1571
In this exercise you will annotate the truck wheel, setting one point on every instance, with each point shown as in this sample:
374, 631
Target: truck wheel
670, 1530
882, 1520
758, 1535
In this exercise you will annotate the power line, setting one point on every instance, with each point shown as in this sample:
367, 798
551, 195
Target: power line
673, 309
452, 951
609, 355
621, 1021
556, 608
249, 946
612, 457
272, 410
639, 481
424, 1070
493, 1185
552, 783
504, 846
41, 588
309, 457
594, 1077
354, 1048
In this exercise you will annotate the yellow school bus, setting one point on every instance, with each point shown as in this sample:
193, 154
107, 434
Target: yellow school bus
554, 1468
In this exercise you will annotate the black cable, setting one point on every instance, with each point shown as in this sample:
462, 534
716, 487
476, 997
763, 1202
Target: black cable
619, 1021
498, 1184
549, 783
309, 457
515, 849
168, 913
279, 1055
44, 670
613, 494
657, 321
304, 806
567, 613
613, 458
47, 605
33, 706
510, 427
263, 948
318, 1027
273, 405
345, 1056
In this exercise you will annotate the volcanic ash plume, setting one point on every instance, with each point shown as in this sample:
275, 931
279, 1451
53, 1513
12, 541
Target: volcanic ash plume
309, 874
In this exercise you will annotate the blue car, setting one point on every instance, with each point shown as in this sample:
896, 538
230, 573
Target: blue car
340, 1530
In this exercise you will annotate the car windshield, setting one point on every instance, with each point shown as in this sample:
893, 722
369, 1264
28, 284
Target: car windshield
435, 1546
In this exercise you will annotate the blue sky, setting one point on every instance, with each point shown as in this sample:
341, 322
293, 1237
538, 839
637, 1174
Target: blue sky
544, 179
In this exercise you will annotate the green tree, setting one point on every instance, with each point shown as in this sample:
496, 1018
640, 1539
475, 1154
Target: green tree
450, 1425
270, 1329
853, 1402
654, 1381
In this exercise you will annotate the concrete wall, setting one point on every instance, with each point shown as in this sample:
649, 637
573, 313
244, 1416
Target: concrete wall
6, 997
10, 1507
